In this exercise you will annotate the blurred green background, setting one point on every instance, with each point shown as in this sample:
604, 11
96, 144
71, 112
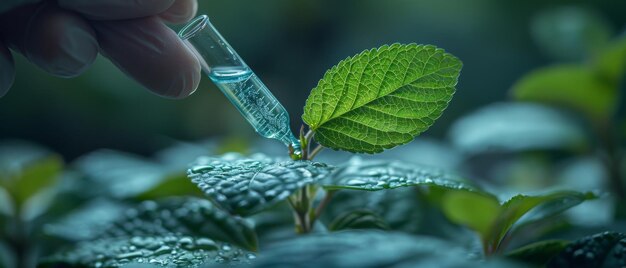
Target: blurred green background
290, 44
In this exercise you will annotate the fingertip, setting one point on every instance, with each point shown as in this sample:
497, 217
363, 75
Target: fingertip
152, 54
60, 42
180, 12
117, 9
7, 70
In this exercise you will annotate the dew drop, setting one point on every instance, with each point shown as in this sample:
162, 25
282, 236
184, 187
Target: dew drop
356, 182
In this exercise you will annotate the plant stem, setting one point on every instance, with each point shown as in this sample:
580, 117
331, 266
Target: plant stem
323, 204
613, 161
315, 151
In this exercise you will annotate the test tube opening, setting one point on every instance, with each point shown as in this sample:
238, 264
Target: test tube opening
193, 27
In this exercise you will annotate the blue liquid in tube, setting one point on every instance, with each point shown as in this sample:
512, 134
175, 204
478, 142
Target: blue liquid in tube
237, 81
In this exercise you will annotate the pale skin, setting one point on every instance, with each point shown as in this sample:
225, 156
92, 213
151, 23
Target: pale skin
64, 37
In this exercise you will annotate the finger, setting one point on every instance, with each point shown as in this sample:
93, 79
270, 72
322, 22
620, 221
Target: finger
116, 9
57, 40
7, 70
181, 11
151, 53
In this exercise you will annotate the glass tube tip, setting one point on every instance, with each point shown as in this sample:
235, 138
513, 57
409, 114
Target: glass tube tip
193, 27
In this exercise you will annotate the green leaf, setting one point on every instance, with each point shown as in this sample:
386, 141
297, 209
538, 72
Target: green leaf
513, 127
359, 219
573, 86
33, 178
399, 208
475, 210
533, 208
381, 97
603, 250
246, 186
375, 175
166, 251
611, 63
361, 248
538, 253
186, 216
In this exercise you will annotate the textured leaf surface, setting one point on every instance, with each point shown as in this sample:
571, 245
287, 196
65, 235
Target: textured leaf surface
572, 86
512, 127
184, 216
375, 175
248, 185
381, 97
601, 250
359, 219
164, 251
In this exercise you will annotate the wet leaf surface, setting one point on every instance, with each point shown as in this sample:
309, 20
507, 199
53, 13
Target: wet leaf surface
375, 175
245, 186
181, 216
604, 250
163, 251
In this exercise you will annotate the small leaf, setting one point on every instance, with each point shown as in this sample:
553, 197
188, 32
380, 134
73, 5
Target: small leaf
573, 86
359, 219
611, 63
164, 251
533, 208
246, 186
186, 216
375, 175
538, 253
475, 210
513, 127
381, 97
603, 250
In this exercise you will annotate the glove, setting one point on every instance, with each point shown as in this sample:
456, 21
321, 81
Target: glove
64, 37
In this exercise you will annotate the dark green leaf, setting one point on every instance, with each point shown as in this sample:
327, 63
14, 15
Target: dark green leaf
367, 249
573, 86
538, 253
186, 216
475, 210
359, 219
245, 186
512, 127
533, 208
375, 175
611, 62
164, 251
381, 97
603, 250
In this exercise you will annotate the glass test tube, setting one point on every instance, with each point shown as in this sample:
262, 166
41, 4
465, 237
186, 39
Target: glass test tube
235, 79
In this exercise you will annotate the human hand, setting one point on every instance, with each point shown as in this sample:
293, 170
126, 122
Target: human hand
64, 37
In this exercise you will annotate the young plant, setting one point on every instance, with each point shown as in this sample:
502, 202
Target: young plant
376, 100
